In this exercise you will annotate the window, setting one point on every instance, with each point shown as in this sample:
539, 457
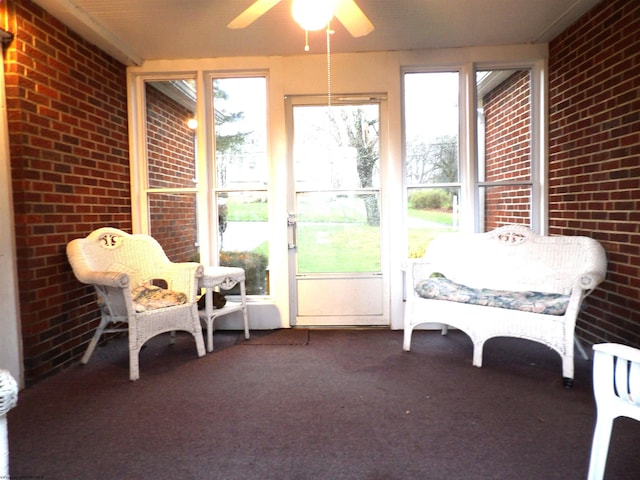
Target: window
218, 201
450, 184
432, 158
504, 147
241, 177
170, 178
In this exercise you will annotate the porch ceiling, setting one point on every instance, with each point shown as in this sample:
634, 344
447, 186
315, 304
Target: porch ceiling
135, 31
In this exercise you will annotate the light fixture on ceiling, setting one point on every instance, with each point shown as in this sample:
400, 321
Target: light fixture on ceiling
346, 12
312, 15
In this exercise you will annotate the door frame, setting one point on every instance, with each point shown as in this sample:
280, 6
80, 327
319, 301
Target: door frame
382, 277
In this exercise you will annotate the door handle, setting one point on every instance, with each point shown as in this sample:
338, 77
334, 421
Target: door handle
292, 222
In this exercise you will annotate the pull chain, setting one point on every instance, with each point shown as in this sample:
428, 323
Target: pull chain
329, 32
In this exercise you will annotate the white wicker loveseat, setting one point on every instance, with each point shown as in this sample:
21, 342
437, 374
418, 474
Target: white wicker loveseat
509, 282
123, 269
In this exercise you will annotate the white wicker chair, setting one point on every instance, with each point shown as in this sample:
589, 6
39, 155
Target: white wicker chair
8, 400
114, 262
616, 386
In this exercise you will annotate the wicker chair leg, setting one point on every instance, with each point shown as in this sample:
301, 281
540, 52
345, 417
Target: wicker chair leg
406, 346
580, 348
94, 341
567, 371
199, 343
134, 364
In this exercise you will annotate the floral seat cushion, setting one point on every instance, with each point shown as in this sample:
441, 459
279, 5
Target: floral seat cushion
441, 288
148, 297
151, 297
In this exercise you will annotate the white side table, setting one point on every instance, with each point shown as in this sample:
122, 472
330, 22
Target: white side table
223, 278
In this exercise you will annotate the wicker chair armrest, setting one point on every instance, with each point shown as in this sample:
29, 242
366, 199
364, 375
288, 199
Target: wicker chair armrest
422, 269
415, 270
407, 265
590, 280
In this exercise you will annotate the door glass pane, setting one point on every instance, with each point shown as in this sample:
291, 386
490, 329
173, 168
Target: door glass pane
336, 147
336, 170
334, 234
431, 118
241, 178
171, 158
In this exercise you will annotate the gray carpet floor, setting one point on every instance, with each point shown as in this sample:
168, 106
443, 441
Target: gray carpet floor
318, 404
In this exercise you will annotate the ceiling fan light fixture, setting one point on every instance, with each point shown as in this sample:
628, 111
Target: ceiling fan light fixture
312, 15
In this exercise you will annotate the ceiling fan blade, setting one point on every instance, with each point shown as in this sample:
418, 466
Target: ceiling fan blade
251, 14
353, 19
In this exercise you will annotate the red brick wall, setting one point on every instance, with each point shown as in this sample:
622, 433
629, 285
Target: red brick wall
67, 111
507, 115
594, 99
173, 223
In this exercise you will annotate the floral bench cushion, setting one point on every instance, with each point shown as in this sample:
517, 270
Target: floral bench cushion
440, 288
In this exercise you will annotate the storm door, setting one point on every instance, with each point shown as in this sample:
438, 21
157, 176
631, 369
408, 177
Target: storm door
334, 217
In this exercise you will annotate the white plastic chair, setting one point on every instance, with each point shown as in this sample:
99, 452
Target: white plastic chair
616, 386
115, 262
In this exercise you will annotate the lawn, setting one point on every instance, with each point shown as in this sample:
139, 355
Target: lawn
335, 239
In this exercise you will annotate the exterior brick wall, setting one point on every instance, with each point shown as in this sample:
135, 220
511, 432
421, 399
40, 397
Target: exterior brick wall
67, 112
594, 98
507, 114
173, 224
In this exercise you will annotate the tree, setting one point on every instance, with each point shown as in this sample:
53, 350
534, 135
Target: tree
361, 134
433, 162
226, 146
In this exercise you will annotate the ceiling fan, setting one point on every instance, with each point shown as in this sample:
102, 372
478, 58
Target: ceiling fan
346, 11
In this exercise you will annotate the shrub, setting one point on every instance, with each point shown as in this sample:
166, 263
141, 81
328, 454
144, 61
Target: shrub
255, 270
429, 199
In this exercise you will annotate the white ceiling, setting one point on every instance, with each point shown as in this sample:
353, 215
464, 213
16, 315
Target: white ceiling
137, 30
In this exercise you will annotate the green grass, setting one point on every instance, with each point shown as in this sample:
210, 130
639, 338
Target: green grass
344, 245
419, 238
247, 211
338, 248
443, 217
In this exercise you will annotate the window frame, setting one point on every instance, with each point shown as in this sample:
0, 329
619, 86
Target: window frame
205, 187
468, 181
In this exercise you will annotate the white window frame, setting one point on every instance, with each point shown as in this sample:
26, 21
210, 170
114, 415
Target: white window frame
469, 184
